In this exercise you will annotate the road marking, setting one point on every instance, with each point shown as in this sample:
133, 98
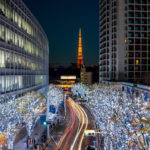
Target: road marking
54, 140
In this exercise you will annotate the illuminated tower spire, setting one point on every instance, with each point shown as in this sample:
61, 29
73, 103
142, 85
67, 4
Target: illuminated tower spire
80, 56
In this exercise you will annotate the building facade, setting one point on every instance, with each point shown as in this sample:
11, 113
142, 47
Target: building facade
124, 51
85, 77
24, 49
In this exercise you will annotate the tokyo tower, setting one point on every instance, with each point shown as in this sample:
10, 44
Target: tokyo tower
80, 55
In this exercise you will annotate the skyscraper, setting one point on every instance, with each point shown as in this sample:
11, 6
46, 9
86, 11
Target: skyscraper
124, 53
80, 55
24, 49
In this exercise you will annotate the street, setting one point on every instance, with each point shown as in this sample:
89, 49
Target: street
70, 134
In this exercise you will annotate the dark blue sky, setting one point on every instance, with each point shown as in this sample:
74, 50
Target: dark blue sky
61, 20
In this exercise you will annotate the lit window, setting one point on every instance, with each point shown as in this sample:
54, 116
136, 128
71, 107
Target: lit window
137, 62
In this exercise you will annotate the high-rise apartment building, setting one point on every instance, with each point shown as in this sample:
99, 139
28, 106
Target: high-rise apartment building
24, 49
124, 40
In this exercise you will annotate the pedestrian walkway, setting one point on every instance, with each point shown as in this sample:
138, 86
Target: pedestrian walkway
21, 139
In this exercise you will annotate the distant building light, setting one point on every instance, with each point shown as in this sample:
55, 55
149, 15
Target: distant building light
64, 86
68, 77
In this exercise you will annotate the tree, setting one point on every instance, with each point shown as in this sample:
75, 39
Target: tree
123, 118
9, 121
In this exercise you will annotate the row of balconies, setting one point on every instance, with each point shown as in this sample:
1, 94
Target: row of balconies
138, 14
138, 48
137, 68
139, 2
138, 54
104, 45
104, 50
103, 28
138, 7
138, 42
102, 4
138, 34
138, 61
138, 28
138, 21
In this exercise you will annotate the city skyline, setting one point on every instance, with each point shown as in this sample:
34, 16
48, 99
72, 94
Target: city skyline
62, 21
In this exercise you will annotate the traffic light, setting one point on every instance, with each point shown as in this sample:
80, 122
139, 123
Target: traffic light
65, 89
45, 123
86, 134
43, 120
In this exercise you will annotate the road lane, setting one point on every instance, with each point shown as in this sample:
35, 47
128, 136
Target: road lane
77, 143
70, 129
73, 136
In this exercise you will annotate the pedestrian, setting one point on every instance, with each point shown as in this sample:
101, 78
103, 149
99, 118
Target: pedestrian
27, 142
35, 146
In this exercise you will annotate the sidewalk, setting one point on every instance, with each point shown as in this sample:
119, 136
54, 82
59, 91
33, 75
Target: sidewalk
20, 142
39, 131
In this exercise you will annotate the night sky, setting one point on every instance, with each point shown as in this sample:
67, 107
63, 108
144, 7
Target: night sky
61, 20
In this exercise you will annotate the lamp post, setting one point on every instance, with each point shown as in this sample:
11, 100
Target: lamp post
64, 98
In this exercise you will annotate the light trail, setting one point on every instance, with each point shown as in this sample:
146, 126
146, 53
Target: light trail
84, 123
80, 128
67, 129
73, 128
78, 123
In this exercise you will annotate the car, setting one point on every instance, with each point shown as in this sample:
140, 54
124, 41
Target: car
91, 147
82, 100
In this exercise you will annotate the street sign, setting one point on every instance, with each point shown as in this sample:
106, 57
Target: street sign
132, 90
67, 97
128, 90
145, 96
52, 109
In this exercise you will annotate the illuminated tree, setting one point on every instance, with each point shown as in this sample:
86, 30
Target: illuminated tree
123, 118
14, 112
30, 107
81, 90
54, 95
9, 121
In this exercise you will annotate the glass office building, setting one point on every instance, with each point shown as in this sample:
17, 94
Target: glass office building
125, 40
24, 49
